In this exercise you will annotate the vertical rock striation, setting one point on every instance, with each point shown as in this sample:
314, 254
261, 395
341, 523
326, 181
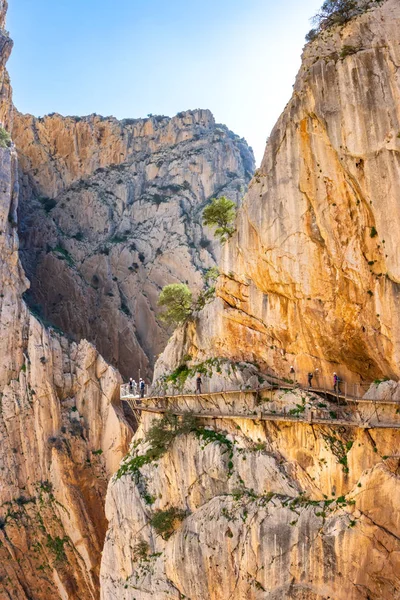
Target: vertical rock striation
60, 434
311, 277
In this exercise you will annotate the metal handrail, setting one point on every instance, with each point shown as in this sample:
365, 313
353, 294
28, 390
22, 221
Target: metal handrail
346, 391
312, 417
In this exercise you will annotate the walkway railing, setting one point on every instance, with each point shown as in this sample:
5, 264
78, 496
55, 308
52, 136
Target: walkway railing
342, 410
351, 391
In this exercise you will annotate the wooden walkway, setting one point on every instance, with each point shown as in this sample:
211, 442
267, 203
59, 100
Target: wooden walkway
320, 391
260, 416
158, 405
310, 419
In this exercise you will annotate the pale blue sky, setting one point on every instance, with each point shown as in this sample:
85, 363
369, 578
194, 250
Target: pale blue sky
128, 58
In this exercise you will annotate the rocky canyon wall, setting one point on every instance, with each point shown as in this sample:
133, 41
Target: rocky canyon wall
242, 508
62, 431
111, 212
311, 278
245, 509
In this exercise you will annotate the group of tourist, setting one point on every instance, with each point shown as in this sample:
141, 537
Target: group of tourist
134, 387
310, 376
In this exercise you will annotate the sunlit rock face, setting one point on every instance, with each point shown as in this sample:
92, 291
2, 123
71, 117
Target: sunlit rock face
265, 511
62, 431
111, 211
311, 278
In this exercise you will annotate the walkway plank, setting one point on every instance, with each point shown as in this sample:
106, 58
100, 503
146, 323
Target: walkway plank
283, 418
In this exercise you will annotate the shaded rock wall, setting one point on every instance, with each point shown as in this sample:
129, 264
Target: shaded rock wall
311, 278
111, 212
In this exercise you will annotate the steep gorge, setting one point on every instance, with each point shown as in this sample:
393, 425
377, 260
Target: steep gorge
110, 212
229, 508
264, 510
103, 213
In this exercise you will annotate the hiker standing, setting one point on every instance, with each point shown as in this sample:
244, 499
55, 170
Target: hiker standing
292, 374
310, 378
141, 387
132, 385
198, 384
336, 383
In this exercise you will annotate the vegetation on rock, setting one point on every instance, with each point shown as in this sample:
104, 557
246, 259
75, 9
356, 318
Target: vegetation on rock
338, 12
165, 522
176, 300
161, 435
220, 213
5, 138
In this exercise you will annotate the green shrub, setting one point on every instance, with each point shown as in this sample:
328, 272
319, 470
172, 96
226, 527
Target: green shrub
311, 35
47, 203
118, 238
63, 254
179, 376
211, 274
348, 51
373, 233
22, 500
5, 138
159, 199
125, 309
300, 408
56, 545
204, 297
165, 522
160, 437
141, 550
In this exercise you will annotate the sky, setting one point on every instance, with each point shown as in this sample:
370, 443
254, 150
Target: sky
129, 58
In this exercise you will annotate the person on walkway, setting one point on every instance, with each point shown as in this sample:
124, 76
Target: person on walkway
336, 383
198, 384
132, 385
141, 387
310, 378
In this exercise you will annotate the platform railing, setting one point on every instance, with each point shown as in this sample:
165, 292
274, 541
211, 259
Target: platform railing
320, 385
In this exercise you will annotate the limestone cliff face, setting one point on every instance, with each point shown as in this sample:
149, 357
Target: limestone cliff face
311, 278
265, 511
258, 510
6, 44
60, 435
111, 212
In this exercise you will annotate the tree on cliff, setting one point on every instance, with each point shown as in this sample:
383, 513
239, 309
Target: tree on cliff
176, 299
220, 213
337, 12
